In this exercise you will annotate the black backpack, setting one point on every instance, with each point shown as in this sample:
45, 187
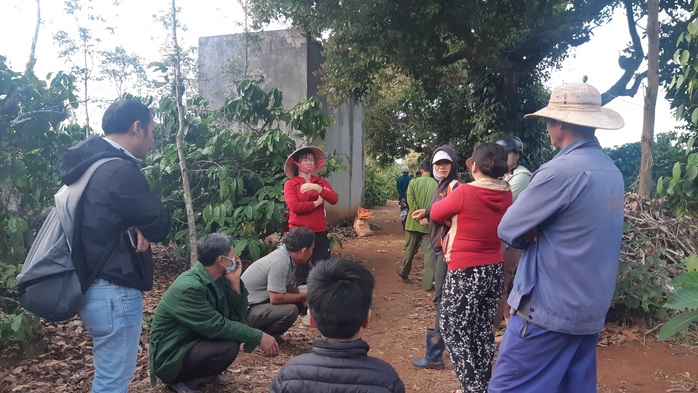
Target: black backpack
48, 285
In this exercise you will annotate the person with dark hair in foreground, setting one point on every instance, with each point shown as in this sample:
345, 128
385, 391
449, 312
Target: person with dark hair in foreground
339, 305
275, 301
199, 324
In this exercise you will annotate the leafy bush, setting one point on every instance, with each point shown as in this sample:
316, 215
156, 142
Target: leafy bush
684, 298
667, 150
379, 184
641, 287
682, 186
235, 158
31, 138
16, 324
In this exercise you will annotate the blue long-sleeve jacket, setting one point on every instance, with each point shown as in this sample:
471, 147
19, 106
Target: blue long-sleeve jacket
575, 202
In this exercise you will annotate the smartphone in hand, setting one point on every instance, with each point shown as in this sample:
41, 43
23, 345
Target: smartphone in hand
132, 238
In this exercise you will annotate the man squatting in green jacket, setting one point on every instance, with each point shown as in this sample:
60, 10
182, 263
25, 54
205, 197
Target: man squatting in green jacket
198, 326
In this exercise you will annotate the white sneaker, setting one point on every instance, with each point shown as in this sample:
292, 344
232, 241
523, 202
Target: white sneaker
305, 320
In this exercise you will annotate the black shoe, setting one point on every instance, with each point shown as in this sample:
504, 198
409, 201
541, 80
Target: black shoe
399, 273
437, 363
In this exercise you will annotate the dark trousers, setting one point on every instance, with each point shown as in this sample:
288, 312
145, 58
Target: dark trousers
440, 269
511, 262
321, 252
272, 319
207, 358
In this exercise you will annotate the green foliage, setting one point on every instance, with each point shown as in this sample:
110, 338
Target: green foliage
235, 156
684, 298
335, 240
682, 185
379, 184
31, 138
641, 285
17, 327
434, 72
31, 111
666, 151
680, 73
16, 324
122, 69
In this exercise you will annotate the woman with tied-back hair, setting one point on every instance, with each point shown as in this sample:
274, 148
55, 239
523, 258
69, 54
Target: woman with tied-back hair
474, 259
305, 195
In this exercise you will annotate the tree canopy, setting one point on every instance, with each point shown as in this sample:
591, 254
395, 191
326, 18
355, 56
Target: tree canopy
490, 58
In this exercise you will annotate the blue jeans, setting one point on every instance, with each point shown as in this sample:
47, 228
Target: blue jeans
113, 315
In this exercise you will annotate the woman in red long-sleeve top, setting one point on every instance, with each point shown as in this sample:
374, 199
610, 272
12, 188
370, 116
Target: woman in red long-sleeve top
305, 196
474, 260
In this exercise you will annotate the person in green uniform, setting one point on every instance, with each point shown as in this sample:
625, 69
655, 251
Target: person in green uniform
419, 193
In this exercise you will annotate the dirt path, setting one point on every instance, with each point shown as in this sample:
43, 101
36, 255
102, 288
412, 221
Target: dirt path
402, 311
628, 360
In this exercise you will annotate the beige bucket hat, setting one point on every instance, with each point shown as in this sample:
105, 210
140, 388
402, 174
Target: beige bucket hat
580, 104
320, 159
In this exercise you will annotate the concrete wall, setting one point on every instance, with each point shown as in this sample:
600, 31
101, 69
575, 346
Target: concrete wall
288, 61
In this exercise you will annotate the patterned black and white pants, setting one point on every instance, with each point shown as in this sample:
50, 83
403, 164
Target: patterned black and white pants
467, 310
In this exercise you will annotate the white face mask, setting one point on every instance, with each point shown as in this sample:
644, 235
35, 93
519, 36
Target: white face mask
232, 266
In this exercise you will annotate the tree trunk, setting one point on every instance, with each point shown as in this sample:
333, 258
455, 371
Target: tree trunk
179, 86
647, 140
32, 51
87, 76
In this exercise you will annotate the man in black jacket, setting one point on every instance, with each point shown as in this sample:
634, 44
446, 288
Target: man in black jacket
339, 305
117, 219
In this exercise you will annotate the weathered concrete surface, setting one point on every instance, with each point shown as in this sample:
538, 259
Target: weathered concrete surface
288, 61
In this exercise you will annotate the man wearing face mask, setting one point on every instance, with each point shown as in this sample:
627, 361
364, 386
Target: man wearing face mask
200, 322
445, 169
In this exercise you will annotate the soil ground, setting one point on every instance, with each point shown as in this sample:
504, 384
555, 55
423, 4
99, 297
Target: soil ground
629, 357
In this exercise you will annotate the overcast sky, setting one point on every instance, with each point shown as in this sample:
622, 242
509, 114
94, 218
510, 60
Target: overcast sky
137, 32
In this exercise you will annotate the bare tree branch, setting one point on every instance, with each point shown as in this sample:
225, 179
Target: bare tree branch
629, 63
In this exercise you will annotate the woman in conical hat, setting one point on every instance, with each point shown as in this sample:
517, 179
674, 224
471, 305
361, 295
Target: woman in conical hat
305, 195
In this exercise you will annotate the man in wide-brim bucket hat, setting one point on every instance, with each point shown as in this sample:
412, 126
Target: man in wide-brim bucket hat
579, 104
569, 221
305, 194
292, 162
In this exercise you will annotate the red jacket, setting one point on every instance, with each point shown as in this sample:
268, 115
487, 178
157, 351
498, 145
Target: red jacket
474, 210
302, 212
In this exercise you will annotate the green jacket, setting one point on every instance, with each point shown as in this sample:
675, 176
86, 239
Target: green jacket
419, 194
195, 308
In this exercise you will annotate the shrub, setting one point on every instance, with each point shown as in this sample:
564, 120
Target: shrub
379, 184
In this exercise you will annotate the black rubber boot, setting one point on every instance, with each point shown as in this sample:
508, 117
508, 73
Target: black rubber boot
435, 350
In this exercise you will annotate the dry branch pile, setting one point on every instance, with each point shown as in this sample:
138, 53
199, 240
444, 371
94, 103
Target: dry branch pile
653, 231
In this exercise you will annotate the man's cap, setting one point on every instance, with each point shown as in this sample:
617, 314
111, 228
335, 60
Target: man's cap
580, 104
404, 169
441, 155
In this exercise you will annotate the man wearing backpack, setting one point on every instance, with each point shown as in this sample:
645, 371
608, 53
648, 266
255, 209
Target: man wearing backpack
120, 216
